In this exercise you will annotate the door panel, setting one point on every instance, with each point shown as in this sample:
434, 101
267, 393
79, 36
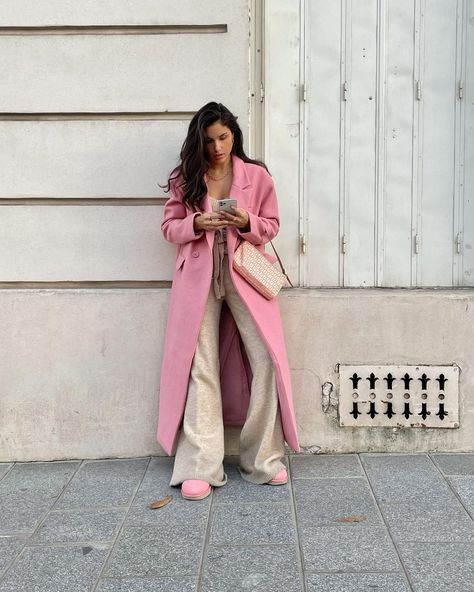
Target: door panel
437, 141
282, 114
395, 230
323, 141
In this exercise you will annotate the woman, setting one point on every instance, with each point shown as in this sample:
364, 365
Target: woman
224, 358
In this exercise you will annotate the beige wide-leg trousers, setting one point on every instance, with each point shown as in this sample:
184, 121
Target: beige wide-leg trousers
200, 449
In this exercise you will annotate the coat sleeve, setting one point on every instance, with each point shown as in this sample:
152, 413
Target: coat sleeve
265, 224
178, 222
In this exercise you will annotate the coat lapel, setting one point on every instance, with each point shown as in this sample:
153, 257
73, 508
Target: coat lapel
206, 206
240, 190
240, 182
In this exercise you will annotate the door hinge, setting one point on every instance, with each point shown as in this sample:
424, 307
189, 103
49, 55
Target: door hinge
262, 92
461, 89
418, 90
304, 92
302, 243
458, 242
344, 243
417, 243
345, 91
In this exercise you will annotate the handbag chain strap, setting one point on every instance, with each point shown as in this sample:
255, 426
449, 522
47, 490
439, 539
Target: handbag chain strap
281, 265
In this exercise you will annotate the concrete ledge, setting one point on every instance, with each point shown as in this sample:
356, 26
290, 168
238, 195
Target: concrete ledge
80, 368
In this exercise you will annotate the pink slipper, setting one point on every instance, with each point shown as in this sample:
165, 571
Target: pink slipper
195, 489
280, 478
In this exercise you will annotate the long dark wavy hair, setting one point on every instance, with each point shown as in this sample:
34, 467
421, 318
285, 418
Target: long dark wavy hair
189, 174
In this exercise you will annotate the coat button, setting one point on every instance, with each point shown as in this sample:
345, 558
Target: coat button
195, 253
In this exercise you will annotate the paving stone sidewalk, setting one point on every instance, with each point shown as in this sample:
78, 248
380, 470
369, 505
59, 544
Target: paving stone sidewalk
344, 523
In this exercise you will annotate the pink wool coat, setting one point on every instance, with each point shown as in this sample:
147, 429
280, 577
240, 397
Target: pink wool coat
253, 188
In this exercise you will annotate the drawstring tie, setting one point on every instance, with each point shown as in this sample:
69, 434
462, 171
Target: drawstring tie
219, 251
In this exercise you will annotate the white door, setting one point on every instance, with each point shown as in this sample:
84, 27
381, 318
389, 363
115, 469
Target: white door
366, 138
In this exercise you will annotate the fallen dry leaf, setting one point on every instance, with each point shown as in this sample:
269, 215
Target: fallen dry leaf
350, 519
160, 503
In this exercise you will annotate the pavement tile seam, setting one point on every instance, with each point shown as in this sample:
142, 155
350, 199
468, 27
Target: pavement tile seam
67, 544
252, 523
373, 496
253, 503
245, 545
441, 567
28, 532
150, 578
10, 468
3, 572
361, 464
455, 482
262, 502
17, 533
66, 485
205, 543
145, 579
13, 562
394, 543
41, 569
386, 454
437, 456
118, 532
23, 467
150, 582
99, 544
453, 490
45, 489
36, 539
46, 514
303, 454
322, 466
124, 459
246, 568
318, 478
362, 571
299, 542
85, 509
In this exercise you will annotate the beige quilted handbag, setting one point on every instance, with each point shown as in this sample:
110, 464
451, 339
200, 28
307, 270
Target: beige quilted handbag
252, 265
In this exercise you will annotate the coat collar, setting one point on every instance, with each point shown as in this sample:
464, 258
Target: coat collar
240, 177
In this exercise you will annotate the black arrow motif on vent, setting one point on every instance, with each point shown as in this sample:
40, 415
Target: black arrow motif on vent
424, 381
390, 412
406, 381
355, 380
441, 413
407, 411
372, 411
372, 380
442, 381
424, 412
355, 410
390, 379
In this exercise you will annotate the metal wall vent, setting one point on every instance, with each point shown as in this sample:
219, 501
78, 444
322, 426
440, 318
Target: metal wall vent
403, 396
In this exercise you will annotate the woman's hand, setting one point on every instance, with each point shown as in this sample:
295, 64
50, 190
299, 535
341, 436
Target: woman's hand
209, 221
240, 218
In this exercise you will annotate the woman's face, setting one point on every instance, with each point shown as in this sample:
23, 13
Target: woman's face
219, 140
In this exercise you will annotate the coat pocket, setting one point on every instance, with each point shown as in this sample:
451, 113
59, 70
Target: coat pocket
180, 259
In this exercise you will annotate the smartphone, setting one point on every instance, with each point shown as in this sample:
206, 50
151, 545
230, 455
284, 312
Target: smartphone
224, 205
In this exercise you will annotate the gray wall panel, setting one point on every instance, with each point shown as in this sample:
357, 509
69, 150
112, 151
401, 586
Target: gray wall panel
83, 243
